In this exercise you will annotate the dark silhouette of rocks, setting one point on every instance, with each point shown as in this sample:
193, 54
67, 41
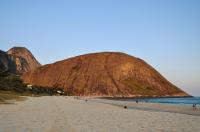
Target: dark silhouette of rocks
5, 63
103, 74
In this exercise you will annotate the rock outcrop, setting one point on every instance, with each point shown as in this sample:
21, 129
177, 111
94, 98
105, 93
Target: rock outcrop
5, 63
103, 74
17, 60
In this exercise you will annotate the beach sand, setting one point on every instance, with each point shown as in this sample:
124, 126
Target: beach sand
66, 114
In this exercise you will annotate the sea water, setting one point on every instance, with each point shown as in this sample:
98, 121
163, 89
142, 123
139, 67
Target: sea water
185, 100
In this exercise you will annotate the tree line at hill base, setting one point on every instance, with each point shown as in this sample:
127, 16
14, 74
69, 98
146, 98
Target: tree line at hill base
12, 82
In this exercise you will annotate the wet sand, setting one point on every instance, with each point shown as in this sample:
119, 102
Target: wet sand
66, 114
172, 108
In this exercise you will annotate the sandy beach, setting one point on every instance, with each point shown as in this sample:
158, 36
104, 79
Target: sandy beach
66, 114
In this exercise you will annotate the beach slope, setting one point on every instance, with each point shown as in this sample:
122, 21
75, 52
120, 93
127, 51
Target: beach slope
50, 114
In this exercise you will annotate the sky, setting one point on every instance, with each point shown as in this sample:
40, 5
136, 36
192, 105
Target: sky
164, 33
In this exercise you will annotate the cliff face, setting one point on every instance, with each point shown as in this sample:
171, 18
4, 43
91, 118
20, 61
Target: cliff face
18, 60
103, 74
23, 59
5, 62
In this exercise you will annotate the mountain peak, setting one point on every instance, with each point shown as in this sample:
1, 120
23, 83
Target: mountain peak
18, 60
18, 51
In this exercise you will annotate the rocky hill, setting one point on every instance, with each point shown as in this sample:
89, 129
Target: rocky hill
17, 60
103, 74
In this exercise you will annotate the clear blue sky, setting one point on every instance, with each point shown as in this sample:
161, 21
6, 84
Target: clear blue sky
165, 33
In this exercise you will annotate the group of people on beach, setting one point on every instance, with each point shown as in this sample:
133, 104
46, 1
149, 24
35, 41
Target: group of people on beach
194, 107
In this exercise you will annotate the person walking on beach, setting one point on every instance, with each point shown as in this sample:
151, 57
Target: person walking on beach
194, 107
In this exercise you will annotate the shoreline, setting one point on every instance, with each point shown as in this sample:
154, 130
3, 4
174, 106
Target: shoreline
149, 97
132, 97
148, 106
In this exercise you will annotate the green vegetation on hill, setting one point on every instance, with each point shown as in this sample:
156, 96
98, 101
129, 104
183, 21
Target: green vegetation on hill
139, 88
11, 82
12, 87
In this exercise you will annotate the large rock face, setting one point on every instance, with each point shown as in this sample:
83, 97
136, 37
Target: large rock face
5, 62
103, 74
17, 60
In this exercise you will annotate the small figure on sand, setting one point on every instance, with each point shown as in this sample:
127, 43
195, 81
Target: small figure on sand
194, 107
137, 101
125, 107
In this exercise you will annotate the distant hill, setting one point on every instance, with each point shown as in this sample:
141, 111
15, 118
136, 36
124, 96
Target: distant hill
17, 60
103, 74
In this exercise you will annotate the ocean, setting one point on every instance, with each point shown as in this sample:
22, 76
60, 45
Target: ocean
185, 100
